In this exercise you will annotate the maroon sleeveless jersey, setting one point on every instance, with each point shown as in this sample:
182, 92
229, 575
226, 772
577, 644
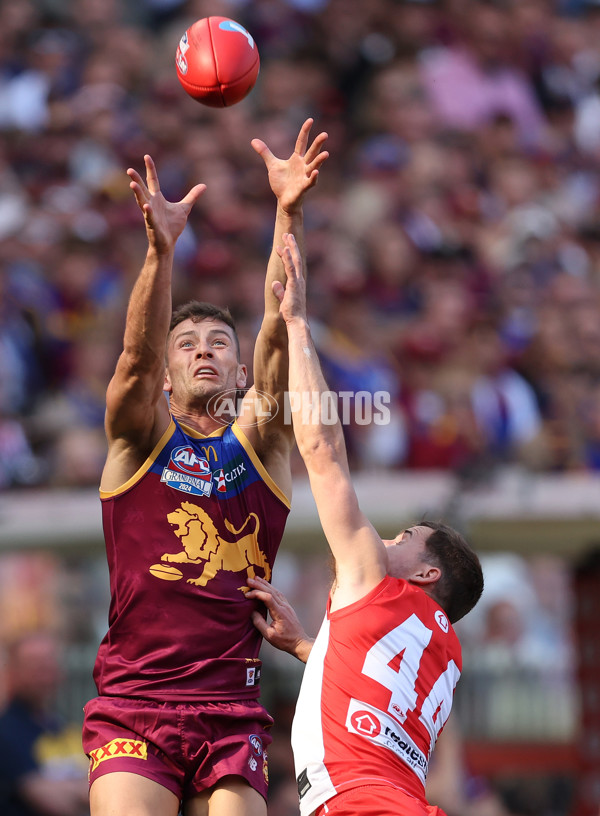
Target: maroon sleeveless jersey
182, 535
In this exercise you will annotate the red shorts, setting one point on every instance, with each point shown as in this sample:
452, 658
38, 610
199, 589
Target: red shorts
376, 800
185, 747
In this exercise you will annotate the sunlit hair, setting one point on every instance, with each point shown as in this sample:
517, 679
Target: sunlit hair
461, 582
197, 311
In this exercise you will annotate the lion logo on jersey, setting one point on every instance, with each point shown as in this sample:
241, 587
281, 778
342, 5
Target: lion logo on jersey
202, 544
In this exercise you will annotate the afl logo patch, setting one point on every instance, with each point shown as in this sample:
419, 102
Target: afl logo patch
188, 472
185, 458
256, 744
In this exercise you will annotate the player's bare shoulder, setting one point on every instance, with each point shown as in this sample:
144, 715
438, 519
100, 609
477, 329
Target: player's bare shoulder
127, 453
272, 449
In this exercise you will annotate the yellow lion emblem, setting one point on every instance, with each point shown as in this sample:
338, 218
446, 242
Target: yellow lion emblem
202, 543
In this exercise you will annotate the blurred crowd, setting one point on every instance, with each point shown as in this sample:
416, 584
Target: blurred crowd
453, 246
453, 239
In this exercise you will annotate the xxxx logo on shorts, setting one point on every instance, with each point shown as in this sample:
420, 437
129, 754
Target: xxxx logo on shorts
118, 748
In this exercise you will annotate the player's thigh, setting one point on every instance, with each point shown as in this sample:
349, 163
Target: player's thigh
232, 796
127, 794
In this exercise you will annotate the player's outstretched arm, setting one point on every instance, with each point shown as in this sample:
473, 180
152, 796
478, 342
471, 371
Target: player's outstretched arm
284, 630
134, 393
358, 551
290, 179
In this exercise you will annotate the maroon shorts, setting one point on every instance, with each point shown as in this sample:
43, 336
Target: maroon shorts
185, 747
376, 800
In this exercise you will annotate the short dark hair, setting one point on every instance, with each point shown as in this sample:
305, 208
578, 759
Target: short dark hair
197, 310
461, 583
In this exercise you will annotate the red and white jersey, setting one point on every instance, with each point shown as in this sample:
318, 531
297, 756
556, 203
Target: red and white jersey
376, 692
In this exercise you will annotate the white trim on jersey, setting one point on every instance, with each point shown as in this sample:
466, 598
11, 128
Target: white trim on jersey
307, 731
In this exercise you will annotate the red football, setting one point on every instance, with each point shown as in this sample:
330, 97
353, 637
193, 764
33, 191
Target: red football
217, 61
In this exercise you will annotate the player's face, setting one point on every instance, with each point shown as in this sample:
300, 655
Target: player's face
202, 361
406, 552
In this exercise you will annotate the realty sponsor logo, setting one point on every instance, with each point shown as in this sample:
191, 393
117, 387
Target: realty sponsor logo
312, 407
381, 729
364, 722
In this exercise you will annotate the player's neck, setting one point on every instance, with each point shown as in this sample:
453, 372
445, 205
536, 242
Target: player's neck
200, 421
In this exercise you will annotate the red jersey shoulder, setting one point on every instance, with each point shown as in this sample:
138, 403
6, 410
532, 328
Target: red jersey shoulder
391, 605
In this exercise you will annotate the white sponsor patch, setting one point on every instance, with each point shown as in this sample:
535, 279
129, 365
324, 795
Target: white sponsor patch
378, 727
186, 483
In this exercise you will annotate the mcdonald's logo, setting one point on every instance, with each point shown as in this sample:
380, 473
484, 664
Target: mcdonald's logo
208, 449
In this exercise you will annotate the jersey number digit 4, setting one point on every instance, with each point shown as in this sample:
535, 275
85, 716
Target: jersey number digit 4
394, 662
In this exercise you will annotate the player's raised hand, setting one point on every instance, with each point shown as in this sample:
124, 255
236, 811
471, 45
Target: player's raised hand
291, 178
284, 631
165, 220
292, 296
